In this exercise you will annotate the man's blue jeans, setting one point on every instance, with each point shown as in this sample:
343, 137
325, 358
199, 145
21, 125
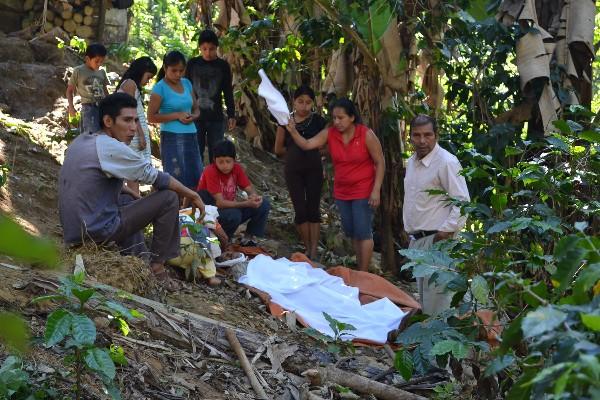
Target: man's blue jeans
231, 218
209, 133
180, 157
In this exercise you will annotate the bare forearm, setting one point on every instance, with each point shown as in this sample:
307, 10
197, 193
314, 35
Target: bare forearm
379, 174
180, 189
160, 118
222, 203
69, 95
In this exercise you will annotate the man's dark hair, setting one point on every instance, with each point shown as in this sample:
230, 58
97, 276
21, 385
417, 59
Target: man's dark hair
423, 119
208, 36
112, 105
225, 148
95, 50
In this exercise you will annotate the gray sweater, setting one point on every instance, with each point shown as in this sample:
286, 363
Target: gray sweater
90, 182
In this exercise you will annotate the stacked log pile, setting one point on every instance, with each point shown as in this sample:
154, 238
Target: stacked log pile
76, 17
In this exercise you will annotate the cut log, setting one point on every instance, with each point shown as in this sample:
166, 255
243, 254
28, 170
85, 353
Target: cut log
87, 20
88, 10
50, 15
70, 25
321, 375
84, 31
66, 14
47, 27
58, 21
78, 18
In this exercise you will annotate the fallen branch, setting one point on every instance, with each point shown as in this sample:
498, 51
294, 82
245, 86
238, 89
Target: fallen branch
321, 375
237, 348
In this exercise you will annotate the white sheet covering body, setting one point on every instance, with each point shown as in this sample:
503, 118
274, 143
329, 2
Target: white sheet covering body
311, 291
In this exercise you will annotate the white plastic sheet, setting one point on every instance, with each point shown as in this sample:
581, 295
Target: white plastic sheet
275, 101
308, 291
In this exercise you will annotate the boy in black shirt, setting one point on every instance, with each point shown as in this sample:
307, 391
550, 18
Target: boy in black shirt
211, 79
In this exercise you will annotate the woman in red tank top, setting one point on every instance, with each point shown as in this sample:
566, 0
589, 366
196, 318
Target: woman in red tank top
359, 167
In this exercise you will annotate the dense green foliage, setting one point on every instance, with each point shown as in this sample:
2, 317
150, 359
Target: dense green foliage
157, 27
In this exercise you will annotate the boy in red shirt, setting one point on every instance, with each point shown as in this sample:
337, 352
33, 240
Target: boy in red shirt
218, 186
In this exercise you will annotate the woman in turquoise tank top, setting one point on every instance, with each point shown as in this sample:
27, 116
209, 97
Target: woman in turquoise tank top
173, 105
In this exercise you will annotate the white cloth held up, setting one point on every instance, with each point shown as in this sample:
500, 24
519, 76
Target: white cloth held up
275, 101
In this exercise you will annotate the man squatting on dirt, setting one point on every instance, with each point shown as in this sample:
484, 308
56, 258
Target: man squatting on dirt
94, 204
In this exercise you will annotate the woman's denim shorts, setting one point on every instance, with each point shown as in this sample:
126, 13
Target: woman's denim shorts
357, 218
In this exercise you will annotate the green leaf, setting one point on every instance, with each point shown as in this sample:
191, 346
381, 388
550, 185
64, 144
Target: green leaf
83, 295
512, 151
499, 227
478, 9
590, 136
569, 254
586, 281
333, 348
372, 25
559, 143
499, 364
549, 372
99, 360
561, 383
591, 321
539, 289
23, 246
14, 332
403, 363
118, 309
315, 334
339, 328
480, 289
117, 354
575, 126
562, 125
123, 326
58, 326
458, 349
428, 257
78, 277
136, 314
542, 320
112, 390
84, 329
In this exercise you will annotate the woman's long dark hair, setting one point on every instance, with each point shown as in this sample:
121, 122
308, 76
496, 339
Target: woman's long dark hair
170, 59
349, 108
136, 71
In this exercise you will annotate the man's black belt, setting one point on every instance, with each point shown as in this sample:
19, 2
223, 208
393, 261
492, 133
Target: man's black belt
421, 234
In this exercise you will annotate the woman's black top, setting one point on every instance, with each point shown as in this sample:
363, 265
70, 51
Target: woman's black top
295, 157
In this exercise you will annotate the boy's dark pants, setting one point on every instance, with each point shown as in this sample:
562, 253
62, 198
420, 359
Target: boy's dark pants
209, 134
231, 218
161, 209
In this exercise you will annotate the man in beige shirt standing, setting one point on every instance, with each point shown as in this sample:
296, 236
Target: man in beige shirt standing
430, 218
